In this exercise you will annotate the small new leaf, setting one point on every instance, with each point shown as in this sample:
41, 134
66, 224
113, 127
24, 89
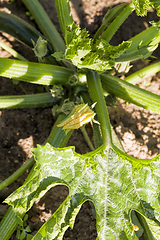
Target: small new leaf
40, 47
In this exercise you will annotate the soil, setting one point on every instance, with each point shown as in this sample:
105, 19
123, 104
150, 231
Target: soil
21, 129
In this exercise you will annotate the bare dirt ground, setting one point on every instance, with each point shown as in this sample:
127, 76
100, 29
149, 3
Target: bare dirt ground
137, 129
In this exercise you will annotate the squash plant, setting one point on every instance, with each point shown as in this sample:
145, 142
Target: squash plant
79, 73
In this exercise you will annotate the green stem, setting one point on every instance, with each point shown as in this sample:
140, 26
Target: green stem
86, 137
9, 223
23, 32
139, 75
38, 73
64, 15
142, 45
28, 101
57, 137
12, 52
109, 17
144, 38
113, 27
142, 52
96, 94
130, 93
17, 174
45, 24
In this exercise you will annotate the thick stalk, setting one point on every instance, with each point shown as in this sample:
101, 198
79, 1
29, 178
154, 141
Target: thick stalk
96, 94
113, 27
130, 93
64, 15
38, 73
28, 101
144, 38
140, 53
9, 222
142, 45
45, 24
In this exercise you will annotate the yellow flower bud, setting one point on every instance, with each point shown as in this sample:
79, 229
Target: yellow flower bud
80, 115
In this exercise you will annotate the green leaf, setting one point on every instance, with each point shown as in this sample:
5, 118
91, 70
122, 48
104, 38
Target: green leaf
84, 52
102, 55
18, 234
101, 177
23, 234
28, 229
19, 221
142, 6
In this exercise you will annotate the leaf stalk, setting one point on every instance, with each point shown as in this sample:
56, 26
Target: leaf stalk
45, 24
113, 27
96, 94
130, 92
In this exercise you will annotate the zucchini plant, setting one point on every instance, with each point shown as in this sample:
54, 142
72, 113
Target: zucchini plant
78, 70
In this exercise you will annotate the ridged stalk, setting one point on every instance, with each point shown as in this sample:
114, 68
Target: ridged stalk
9, 223
96, 94
144, 38
130, 93
113, 27
38, 73
45, 24
64, 14
24, 33
28, 101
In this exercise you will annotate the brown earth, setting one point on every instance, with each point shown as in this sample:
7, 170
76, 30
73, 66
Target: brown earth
137, 129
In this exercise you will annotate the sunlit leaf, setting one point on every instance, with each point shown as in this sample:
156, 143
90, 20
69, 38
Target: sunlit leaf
100, 177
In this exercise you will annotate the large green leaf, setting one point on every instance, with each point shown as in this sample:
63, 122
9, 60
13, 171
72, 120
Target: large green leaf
103, 177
